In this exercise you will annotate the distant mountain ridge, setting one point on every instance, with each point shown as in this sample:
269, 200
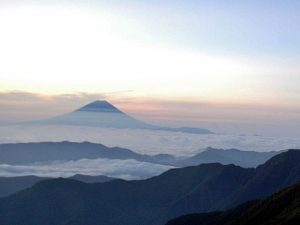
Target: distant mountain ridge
43, 152
247, 159
22, 153
105, 115
154, 201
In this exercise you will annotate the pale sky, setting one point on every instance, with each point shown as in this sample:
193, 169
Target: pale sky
221, 53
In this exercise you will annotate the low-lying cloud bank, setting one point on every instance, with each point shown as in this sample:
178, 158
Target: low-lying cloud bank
145, 141
125, 169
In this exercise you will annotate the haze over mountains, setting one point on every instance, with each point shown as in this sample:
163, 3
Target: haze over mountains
24, 153
101, 122
146, 112
163, 186
229, 156
65, 159
203, 188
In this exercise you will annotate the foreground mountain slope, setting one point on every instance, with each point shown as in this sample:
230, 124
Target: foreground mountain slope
279, 172
214, 218
115, 202
282, 208
153, 201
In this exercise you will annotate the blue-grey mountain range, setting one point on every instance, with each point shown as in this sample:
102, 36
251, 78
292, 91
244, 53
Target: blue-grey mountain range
154, 201
24, 153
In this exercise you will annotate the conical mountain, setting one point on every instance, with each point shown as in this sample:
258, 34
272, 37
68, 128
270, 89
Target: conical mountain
99, 114
104, 114
99, 106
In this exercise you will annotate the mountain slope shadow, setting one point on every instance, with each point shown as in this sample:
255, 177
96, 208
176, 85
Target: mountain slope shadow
154, 201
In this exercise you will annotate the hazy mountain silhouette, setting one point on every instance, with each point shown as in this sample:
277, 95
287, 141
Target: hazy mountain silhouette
103, 114
281, 208
10, 185
153, 201
91, 179
22, 153
99, 106
229, 156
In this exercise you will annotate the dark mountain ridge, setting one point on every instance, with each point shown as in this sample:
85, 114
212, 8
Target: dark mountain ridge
282, 208
11, 185
154, 201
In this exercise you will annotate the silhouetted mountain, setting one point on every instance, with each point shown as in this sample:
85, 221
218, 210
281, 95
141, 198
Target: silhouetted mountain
229, 156
103, 114
272, 176
22, 153
281, 208
214, 218
99, 114
99, 106
11, 185
91, 179
203, 188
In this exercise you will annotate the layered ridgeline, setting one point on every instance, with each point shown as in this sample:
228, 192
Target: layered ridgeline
10, 185
154, 201
282, 208
23, 153
105, 115
228, 156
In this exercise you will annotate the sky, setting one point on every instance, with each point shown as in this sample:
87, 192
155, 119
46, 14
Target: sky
230, 63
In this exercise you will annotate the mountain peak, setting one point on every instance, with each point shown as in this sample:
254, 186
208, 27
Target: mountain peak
99, 106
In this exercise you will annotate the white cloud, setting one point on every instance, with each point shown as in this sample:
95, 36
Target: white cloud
126, 169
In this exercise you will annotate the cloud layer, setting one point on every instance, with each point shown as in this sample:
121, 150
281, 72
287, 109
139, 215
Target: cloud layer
144, 141
125, 169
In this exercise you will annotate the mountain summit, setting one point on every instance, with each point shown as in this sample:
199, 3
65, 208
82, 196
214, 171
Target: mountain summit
104, 114
99, 106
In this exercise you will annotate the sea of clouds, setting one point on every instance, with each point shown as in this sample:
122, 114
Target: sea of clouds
125, 169
145, 141
141, 141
